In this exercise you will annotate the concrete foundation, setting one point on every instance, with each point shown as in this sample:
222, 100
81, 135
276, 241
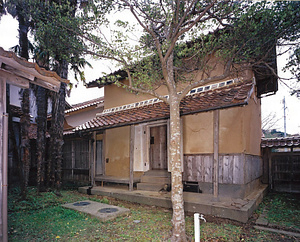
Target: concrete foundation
232, 190
224, 207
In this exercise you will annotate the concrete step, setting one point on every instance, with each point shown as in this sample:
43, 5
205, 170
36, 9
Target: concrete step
158, 173
156, 179
150, 186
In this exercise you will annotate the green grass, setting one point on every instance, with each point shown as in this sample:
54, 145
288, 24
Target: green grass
282, 209
41, 218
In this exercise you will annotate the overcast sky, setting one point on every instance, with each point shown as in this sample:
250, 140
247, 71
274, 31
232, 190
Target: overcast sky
271, 104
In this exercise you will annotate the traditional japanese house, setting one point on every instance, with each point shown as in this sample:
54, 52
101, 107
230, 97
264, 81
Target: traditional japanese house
221, 126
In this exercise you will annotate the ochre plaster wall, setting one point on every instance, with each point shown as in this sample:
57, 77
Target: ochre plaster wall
197, 133
231, 139
76, 118
116, 96
117, 141
252, 127
240, 130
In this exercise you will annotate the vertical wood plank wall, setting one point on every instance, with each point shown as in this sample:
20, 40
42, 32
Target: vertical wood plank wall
233, 168
76, 154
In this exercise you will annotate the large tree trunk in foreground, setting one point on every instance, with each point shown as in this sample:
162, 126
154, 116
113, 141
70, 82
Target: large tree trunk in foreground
178, 219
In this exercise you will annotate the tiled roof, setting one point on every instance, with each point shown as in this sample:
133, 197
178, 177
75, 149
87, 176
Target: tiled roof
228, 96
10, 63
86, 104
292, 141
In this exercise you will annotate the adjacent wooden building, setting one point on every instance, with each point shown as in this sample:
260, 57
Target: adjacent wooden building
18, 72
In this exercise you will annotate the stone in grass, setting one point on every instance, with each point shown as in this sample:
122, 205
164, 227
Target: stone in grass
102, 211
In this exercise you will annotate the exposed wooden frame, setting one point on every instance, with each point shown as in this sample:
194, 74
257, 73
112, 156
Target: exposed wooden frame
131, 157
216, 121
93, 163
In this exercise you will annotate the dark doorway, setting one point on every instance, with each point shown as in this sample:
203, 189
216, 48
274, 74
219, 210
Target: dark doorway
158, 148
99, 158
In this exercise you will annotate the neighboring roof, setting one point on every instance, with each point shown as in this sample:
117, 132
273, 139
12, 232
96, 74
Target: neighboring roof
103, 81
10, 65
229, 96
86, 104
293, 141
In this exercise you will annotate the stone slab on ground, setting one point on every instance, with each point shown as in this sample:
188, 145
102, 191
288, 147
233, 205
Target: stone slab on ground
278, 231
102, 211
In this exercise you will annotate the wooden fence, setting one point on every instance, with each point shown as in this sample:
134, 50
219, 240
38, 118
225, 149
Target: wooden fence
285, 172
76, 154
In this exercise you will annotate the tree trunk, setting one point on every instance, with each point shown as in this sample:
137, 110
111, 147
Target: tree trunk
60, 121
41, 102
52, 150
57, 124
59, 138
178, 219
25, 145
23, 31
25, 118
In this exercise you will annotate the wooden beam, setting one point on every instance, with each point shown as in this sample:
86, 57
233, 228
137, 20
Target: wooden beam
46, 84
131, 157
12, 79
216, 122
18, 72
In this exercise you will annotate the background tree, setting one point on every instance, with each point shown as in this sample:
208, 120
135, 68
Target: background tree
18, 9
55, 50
62, 47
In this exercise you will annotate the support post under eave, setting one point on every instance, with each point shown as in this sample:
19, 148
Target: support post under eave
216, 121
3, 161
131, 157
94, 157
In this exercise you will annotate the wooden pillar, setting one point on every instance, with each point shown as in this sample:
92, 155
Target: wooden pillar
93, 163
270, 168
131, 157
72, 159
3, 161
216, 118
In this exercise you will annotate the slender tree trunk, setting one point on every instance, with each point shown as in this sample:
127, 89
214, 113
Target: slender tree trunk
25, 118
52, 150
178, 219
25, 145
23, 32
57, 123
60, 122
41, 101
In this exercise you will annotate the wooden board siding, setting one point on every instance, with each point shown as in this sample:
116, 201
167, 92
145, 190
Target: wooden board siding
76, 160
233, 168
286, 172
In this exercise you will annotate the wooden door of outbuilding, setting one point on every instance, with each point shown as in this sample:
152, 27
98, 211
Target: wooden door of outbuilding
158, 148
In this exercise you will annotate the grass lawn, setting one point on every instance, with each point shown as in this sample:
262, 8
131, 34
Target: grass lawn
282, 210
41, 218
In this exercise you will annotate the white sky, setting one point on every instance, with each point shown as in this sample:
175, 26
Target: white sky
271, 104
